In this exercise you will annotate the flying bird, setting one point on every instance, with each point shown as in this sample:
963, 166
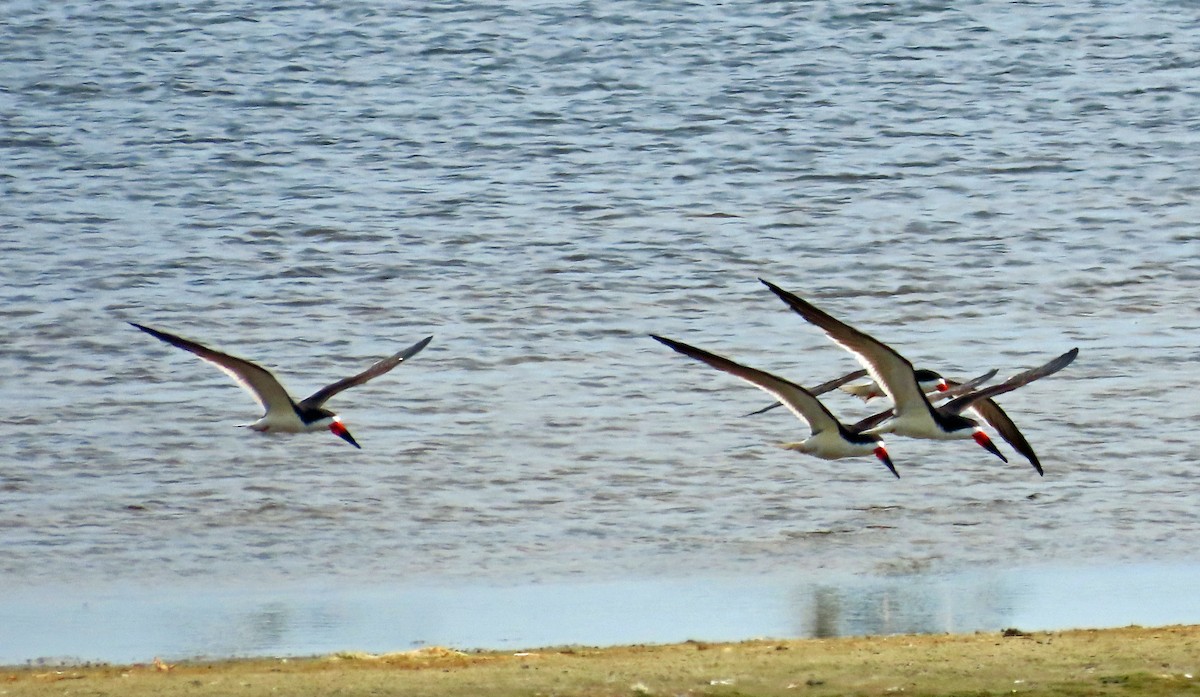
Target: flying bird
980, 401
830, 440
284, 414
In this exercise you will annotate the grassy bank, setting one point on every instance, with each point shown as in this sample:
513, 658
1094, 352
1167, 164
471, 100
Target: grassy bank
1130, 661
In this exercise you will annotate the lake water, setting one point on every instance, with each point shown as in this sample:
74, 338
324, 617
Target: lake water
541, 185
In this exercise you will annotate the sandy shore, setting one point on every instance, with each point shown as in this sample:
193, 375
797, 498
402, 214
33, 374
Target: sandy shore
1129, 661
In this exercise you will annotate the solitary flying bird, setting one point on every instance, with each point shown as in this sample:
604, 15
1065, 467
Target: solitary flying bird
830, 439
284, 414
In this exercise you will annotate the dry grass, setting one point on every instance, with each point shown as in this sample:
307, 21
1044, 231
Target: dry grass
1131, 661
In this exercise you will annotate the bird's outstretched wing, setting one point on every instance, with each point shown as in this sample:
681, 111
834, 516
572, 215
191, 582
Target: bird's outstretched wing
819, 389
798, 400
960, 404
892, 371
255, 379
323, 395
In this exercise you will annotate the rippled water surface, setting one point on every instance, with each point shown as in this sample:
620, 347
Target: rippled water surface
540, 185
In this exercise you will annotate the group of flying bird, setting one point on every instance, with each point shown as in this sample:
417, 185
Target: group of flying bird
912, 414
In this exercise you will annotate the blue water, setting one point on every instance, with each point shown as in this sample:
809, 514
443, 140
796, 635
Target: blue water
540, 186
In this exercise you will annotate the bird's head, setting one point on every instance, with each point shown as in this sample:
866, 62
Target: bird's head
930, 381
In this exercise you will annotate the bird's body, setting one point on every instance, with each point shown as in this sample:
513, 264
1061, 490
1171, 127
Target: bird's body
285, 421
283, 414
835, 444
929, 381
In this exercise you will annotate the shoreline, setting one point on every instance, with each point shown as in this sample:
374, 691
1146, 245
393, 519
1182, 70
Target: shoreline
123, 624
1125, 661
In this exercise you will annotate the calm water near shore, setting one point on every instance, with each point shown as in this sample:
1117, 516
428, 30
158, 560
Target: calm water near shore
123, 624
540, 186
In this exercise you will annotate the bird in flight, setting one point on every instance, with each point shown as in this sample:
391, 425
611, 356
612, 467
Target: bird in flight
830, 440
284, 414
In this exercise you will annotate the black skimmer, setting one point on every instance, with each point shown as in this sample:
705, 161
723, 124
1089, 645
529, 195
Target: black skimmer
830, 439
929, 381
284, 414
981, 402
913, 415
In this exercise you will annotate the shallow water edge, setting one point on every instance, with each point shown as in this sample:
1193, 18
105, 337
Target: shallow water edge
127, 624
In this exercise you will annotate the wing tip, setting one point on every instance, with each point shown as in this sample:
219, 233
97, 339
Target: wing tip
669, 343
156, 333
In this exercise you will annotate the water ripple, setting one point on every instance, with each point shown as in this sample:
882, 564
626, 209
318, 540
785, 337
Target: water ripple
540, 187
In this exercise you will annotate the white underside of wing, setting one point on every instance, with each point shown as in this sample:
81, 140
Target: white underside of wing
892, 373
265, 390
805, 406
